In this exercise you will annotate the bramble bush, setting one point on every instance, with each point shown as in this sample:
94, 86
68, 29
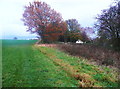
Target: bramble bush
100, 55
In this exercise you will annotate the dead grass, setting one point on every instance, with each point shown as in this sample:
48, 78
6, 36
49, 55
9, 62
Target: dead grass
84, 80
94, 53
47, 45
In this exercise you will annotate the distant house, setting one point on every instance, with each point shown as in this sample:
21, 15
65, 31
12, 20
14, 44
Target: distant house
79, 41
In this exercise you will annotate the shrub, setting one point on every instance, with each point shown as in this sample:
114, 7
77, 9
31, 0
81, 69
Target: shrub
99, 54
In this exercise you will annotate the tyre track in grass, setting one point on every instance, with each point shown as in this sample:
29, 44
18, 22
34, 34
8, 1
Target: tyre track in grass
87, 74
25, 66
84, 80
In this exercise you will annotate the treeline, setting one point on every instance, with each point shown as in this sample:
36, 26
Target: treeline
51, 27
108, 27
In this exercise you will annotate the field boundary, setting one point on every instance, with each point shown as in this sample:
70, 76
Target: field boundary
84, 80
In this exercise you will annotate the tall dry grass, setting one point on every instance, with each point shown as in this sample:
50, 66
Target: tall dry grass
100, 55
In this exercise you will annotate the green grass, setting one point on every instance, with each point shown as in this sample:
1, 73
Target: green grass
26, 65
17, 42
103, 76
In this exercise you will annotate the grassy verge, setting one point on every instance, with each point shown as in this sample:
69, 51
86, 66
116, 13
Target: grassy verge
87, 74
95, 53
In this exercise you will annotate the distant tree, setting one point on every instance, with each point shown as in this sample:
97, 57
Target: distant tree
53, 33
73, 37
87, 34
15, 38
108, 25
73, 33
84, 37
73, 25
40, 18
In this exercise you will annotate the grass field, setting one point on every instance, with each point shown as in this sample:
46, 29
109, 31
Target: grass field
28, 65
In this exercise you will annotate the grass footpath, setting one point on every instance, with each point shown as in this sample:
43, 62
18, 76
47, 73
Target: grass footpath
28, 65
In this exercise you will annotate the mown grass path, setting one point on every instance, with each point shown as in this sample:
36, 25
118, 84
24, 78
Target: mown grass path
26, 65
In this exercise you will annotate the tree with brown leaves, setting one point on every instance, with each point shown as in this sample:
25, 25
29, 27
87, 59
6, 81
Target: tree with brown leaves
41, 19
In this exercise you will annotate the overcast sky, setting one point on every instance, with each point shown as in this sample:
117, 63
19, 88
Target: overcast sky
83, 10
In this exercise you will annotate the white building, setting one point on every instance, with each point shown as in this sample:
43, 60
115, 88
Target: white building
79, 41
